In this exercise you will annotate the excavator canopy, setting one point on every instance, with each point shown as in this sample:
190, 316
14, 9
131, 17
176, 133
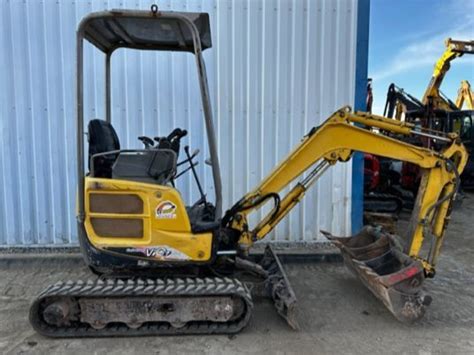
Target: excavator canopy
169, 31
145, 30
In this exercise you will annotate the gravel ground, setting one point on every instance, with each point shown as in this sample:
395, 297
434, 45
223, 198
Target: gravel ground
337, 314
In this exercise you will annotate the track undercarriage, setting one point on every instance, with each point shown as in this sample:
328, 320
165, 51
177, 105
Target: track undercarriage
120, 306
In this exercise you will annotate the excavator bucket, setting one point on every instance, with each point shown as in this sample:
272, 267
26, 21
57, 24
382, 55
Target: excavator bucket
377, 259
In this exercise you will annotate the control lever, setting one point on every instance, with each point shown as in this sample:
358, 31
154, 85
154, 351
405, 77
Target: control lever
147, 141
201, 192
195, 153
177, 133
187, 169
172, 141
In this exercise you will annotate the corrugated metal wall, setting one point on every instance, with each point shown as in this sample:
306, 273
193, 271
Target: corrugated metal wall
276, 69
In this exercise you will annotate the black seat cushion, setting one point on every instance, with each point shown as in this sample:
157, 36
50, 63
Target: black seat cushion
102, 138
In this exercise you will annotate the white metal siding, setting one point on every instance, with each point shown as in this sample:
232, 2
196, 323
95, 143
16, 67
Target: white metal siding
276, 69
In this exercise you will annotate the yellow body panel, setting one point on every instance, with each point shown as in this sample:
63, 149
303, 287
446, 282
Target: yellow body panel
170, 231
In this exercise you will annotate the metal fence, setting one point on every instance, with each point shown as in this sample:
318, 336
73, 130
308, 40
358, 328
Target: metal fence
276, 69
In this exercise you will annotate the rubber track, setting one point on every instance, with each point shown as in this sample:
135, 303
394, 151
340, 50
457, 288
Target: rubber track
384, 203
143, 287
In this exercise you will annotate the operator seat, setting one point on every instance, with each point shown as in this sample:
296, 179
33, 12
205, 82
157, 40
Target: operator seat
102, 138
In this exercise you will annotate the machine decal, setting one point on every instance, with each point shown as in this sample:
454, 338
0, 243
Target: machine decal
166, 210
161, 252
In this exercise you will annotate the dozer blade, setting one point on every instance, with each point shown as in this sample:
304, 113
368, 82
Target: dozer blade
278, 287
392, 276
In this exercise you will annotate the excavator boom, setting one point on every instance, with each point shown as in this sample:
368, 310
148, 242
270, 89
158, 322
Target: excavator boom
335, 140
398, 102
393, 268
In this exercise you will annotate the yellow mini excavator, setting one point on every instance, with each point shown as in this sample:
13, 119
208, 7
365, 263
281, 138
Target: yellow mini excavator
168, 268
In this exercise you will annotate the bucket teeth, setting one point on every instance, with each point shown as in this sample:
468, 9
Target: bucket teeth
392, 276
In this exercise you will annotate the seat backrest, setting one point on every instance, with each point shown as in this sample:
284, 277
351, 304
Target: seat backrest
163, 165
102, 138
153, 166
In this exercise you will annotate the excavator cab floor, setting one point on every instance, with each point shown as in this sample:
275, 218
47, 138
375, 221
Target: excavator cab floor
378, 261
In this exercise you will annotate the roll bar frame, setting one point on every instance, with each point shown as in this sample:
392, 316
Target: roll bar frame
196, 49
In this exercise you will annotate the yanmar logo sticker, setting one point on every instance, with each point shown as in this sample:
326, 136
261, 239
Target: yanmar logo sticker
160, 252
166, 210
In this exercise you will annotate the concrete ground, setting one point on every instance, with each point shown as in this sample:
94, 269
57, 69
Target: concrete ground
337, 314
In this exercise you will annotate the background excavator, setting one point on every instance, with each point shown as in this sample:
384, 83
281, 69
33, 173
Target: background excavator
440, 113
400, 103
399, 182
432, 96
166, 267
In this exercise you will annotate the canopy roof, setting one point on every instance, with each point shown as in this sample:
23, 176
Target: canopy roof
171, 31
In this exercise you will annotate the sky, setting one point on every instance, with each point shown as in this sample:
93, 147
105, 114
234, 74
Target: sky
407, 37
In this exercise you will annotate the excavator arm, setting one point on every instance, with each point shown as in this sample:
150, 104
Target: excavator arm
398, 102
335, 141
432, 95
392, 272
465, 95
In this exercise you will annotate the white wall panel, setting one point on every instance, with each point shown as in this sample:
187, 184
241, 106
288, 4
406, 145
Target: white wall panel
276, 69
